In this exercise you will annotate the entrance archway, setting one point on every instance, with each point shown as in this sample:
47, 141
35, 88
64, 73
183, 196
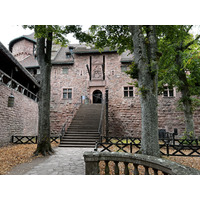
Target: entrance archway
97, 96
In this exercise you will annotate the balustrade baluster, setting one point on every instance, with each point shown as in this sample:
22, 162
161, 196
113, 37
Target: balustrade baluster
98, 168
146, 170
165, 173
116, 167
155, 171
126, 170
107, 170
136, 172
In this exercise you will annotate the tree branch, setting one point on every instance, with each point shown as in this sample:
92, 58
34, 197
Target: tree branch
190, 43
189, 28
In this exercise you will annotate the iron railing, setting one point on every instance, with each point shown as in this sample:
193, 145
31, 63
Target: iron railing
16, 139
102, 118
168, 146
62, 132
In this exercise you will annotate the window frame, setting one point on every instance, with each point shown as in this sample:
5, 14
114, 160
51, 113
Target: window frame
128, 91
167, 91
122, 67
67, 92
63, 70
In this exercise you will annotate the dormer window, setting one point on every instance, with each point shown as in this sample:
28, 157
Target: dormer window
124, 68
169, 91
71, 48
68, 55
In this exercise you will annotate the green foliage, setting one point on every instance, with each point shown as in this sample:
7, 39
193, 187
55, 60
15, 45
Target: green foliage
195, 103
179, 65
60, 33
133, 71
187, 137
113, 36
143, 91
125, 141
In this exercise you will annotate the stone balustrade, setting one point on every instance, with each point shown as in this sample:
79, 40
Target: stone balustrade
150, 165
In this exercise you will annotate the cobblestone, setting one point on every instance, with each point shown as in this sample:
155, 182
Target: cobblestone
65, 161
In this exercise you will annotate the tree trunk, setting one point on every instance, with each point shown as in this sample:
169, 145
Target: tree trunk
146, 61
186, 100
189, 123
188, 113
44, 60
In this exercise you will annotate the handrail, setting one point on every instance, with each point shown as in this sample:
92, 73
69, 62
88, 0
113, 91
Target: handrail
157, 165
101, 118
62, 132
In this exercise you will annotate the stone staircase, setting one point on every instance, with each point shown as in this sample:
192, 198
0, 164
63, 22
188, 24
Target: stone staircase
83, 130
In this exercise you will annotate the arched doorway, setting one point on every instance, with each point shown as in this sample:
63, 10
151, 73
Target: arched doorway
97, 96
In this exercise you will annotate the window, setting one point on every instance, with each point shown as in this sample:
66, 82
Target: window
128, 91
38, 71
65, 70
68, 55
168, 92
67, 93
124, 68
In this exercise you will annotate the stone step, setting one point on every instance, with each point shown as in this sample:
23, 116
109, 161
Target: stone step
86, 119
69, 139
92, 134
79, 140
76, 146
80, 136
83, 130
77, 143
83, 125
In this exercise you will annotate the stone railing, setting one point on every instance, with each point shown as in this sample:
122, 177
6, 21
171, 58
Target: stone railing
125, 163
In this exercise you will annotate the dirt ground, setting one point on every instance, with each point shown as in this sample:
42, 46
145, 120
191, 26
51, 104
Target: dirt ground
13, 155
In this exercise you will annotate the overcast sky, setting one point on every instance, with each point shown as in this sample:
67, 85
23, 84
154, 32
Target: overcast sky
10, 32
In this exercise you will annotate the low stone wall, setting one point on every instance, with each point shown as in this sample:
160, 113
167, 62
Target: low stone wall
22, 119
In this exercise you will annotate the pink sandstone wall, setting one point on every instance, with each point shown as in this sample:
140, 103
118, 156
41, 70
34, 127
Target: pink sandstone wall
22, 49
124, 112
22, 119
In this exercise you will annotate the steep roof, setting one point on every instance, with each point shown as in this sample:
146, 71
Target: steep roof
58, 54
29, 61
6, 54
82, 49
126, 57
86, 50
27, 37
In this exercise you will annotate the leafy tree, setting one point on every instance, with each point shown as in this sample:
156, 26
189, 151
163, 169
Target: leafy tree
45, 35
180, 67
145, 68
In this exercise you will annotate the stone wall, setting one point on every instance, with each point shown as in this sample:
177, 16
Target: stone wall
22, 119
22, 49
124, 112
63, 110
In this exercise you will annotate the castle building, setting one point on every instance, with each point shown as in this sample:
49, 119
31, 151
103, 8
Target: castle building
82, 74
18, 99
